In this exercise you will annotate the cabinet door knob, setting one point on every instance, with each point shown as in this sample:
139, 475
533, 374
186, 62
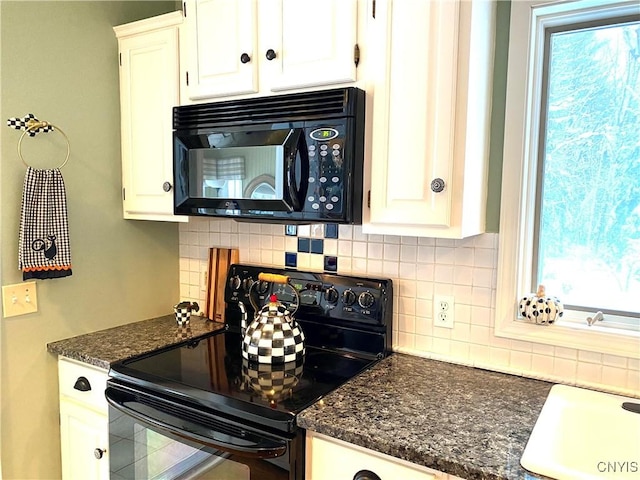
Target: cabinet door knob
271, 54
82, 384
99, 453
245, 58
366, 475
437, 185
166, 186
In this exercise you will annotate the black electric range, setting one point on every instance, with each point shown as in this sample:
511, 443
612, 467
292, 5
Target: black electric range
347, 325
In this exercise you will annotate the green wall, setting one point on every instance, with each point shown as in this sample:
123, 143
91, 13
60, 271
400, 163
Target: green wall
59, 61
497, 115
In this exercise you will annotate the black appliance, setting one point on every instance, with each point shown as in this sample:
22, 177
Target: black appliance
199, 410
294, 158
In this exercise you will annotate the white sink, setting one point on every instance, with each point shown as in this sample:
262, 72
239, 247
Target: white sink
583, 434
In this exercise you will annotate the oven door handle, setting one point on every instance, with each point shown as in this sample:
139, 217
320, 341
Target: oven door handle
236, 441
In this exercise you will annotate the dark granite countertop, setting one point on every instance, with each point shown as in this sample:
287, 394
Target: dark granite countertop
459, 420
105, 347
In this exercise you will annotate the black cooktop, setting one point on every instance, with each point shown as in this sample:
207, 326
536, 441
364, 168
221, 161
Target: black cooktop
342, 339
213, 366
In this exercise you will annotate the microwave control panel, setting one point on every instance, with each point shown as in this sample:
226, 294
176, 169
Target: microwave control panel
325, 146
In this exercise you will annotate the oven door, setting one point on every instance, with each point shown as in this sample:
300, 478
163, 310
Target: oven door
157, 438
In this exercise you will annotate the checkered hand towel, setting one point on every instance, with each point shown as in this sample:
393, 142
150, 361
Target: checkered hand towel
43, 250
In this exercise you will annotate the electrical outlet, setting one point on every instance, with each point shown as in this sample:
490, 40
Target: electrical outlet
443, 307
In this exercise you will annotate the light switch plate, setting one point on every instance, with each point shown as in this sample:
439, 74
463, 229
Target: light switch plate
19, 299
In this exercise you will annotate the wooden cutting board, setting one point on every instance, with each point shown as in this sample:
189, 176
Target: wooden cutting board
219, 261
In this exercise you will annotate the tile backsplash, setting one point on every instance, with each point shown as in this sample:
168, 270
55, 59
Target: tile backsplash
420, 268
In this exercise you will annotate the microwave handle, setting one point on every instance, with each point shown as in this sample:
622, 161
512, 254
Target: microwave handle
250, 445
297, 193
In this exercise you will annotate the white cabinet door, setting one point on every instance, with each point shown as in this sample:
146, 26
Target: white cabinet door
221, 49
431, 70
149, 89
84, 425
313, 42
85, 441
328, 458
239, 47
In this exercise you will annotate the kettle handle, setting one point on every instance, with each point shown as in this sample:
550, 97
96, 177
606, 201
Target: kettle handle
274, 278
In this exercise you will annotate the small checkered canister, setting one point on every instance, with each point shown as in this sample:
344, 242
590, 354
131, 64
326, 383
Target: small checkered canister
183, 311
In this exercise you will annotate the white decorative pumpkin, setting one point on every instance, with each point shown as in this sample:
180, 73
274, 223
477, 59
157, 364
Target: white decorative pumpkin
540, 309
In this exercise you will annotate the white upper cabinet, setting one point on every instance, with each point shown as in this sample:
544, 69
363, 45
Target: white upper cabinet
221, 47
314, 42
149, 89
430, 79
237, 47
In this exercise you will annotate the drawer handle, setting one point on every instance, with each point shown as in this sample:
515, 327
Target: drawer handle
82, 384
365, 475
99, 453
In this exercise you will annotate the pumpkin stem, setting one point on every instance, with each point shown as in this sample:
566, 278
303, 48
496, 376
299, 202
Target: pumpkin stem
540, 292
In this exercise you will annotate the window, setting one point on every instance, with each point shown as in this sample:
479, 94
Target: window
572, 168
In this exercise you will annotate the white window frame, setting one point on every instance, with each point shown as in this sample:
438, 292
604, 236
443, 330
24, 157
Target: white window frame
519, 175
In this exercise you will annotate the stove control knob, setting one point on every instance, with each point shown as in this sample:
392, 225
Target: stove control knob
234, 282
246, 283
366, 300
348, 297
331, 295
262, 287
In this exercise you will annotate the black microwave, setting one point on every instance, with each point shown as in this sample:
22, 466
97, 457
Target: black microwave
295, 158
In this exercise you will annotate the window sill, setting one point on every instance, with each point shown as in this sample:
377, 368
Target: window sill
581, 337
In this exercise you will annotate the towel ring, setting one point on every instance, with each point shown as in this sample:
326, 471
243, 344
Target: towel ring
33, 124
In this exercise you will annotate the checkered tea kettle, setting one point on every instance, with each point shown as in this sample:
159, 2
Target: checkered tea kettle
273, 336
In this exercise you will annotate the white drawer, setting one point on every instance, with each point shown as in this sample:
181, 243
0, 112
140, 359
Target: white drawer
70, 377
328, 457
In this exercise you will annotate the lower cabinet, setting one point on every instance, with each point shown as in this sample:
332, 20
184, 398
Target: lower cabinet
84, 437
328, 458
84, 421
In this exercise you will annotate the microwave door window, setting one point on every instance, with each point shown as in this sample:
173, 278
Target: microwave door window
236, 173
244, 170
